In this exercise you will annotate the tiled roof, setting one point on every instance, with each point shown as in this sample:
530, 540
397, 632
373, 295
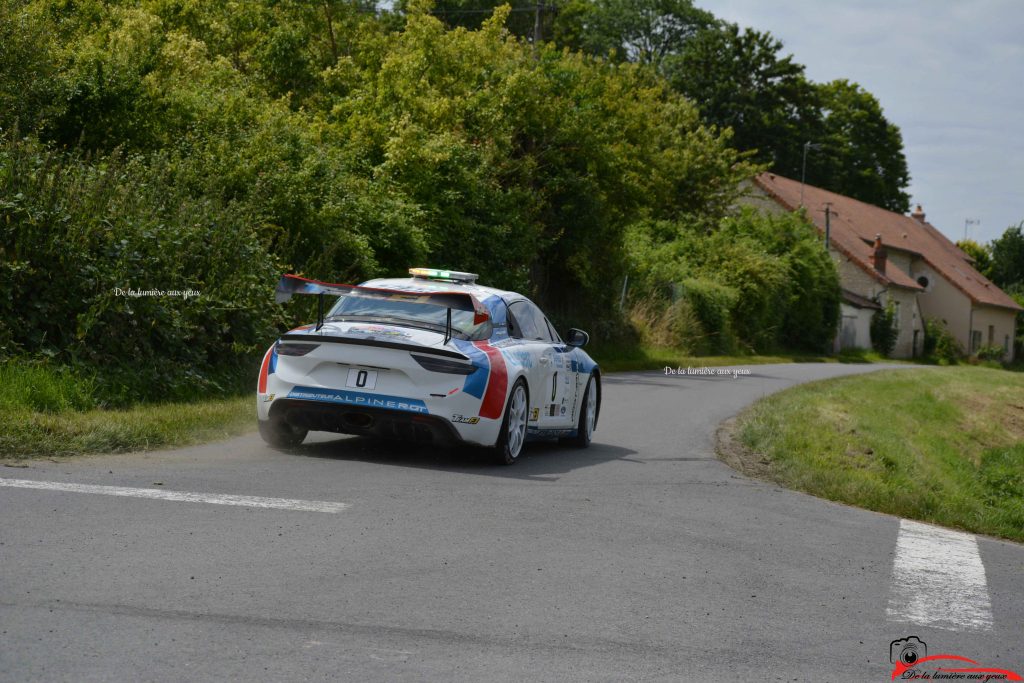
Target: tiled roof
855, 224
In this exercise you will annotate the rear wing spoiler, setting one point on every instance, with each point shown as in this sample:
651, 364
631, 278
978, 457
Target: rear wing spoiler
458, 301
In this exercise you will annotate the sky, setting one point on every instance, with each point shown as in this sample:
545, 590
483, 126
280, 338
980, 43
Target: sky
949, 73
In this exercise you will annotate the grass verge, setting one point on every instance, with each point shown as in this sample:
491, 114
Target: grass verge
941, 445
52, 410
27, 433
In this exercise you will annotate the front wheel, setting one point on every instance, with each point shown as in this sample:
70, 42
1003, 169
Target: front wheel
588, 415
280, 434
513, 427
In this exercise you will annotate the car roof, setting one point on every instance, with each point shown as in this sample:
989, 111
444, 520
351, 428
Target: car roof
418, 284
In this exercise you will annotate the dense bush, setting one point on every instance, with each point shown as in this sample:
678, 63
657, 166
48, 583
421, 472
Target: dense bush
753, 281
939, 343
77, 235
884, 331
992, 353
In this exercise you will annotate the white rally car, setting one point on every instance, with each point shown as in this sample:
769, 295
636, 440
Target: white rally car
435, 358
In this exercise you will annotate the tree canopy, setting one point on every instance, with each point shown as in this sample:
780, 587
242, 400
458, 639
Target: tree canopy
165, 145
739, 79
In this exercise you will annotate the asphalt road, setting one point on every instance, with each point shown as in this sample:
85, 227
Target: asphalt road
641, 558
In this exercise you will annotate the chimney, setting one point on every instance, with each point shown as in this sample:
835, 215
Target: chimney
878, 256
918, 214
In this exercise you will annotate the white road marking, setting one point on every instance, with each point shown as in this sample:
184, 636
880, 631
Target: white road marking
181, 496
938, 579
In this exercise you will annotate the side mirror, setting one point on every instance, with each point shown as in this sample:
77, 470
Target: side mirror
577, 337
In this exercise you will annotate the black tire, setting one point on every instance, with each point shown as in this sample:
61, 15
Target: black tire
584, 432
507, 450
281, 434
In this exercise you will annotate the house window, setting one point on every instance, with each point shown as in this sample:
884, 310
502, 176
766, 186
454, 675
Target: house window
1006, 343
896, 315
991, 335
975, 340
923, 281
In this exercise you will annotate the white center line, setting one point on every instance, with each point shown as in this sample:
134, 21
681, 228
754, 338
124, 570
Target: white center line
938, 579
181, 496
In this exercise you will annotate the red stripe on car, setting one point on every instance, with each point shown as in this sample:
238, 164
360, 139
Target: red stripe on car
263, 371
494, 397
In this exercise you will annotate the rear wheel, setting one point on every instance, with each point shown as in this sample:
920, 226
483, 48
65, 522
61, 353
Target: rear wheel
588, 415
513, 427
280, 434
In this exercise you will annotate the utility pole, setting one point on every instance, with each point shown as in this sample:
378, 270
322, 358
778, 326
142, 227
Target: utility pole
803, 173
828, 223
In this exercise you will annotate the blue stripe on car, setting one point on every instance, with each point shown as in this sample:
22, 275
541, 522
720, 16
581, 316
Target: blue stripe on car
477, 381
357, 398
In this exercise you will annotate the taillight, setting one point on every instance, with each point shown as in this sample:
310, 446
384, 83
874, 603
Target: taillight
435, 364
293, 349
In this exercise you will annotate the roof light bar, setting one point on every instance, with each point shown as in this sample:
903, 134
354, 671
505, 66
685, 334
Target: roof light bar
448, 275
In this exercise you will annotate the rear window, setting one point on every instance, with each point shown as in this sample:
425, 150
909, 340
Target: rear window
426, 316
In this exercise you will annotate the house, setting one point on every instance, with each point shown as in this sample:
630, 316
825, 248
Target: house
884, 257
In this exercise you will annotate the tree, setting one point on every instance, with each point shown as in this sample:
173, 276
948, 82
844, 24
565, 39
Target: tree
644, 31
981, 253
740, 80
1007, 268
526, 17
863, 151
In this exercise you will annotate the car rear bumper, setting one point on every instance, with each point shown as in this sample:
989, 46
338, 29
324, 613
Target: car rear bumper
365, 421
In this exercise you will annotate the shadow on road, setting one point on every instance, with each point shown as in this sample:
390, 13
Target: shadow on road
540, 460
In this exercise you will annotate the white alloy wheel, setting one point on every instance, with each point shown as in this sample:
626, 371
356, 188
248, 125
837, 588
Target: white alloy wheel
513, 427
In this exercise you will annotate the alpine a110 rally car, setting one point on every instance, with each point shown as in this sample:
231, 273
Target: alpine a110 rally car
435, 358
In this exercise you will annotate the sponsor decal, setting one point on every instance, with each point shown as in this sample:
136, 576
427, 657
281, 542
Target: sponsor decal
523, 358
538, 432
269, 398
534, 414
563, 410
554, 386
356, 398
911, 662
465, 420
552, 410
377, 330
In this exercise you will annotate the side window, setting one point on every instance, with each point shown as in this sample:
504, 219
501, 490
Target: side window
551, 331
521, 322
540, 323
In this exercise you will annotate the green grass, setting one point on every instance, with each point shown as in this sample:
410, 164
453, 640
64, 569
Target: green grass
941, 445
28, 433
50, 411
